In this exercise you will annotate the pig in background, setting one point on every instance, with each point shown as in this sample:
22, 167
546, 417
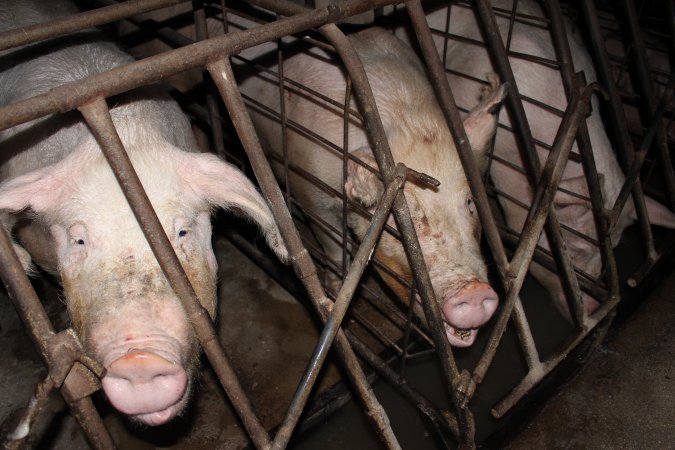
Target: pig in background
445, 218
62, 201
467, 62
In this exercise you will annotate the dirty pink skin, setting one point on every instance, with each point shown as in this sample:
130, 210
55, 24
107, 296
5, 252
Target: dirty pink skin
545, 85
445, 218
80, 227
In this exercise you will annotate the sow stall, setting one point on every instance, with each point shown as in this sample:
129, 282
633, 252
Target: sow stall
385, 336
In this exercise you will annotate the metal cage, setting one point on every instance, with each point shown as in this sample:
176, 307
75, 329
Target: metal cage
385, 335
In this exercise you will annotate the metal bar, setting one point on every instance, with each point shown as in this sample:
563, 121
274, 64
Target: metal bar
548, 182
69, 96
223, 76
59, 351
70, 24
406, 227
643, 83
17, 438
98, 118
350, 283
441, 419
625, 148
532, 165
559, 38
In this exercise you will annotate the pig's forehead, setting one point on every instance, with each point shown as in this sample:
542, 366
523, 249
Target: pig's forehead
94, 195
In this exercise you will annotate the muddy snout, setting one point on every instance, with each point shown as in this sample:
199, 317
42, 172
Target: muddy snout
468, 309
146, 386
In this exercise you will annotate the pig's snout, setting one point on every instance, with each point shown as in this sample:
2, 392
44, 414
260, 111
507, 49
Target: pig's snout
146, 386
467, 310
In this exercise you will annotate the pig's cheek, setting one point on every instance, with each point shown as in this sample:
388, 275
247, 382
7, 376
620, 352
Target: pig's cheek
201, 274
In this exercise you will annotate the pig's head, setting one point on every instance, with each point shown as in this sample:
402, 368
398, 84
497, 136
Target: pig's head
119, 301
445, 219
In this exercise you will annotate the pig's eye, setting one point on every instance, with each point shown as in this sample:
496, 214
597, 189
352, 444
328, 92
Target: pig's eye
78, 234
182, 233
471, 206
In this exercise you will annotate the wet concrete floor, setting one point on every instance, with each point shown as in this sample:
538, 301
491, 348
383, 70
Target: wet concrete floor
624, 398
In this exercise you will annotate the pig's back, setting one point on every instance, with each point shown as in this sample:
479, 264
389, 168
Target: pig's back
37, 68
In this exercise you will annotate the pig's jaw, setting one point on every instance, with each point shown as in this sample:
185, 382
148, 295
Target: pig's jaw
460, 338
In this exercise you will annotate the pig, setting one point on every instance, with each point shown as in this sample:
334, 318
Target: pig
59, 196
467, 62
445, 217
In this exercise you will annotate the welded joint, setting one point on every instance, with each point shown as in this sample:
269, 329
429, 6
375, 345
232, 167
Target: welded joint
64, 351
465, 387
303, 265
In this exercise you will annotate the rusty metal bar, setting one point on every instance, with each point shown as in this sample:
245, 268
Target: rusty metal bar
17, 438
342, 302
59, 351
69, 96
223, 76
401, 213
543, 200
618, 120
495, 44
532, 164
98, 118
559, 38
70, 24
440, 419
642, 81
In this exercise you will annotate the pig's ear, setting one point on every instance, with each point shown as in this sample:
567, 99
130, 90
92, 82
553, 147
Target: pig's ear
38, 190
221, 184
481, 123
362, 185
658, 213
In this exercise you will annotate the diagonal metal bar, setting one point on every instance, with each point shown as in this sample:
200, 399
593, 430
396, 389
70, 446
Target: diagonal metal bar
339, 309
70, 24
221, 72
98, 118
625, 150
59, 351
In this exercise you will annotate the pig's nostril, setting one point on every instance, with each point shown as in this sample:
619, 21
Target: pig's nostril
471, 307
143, 382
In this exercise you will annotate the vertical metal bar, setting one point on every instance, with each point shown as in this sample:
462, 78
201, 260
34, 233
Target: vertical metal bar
532, 164
562, 48
221, 71
98, 118
542, 203
339, 309
618, 120
642, 81
39, 327
401, 213
202, 33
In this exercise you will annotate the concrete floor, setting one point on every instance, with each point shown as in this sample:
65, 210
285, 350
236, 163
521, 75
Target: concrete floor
624, 398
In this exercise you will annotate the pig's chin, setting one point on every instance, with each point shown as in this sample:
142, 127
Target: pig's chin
161, 417
460, 338
154, 414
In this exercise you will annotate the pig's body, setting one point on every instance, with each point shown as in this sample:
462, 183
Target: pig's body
120, 304
543, 84
445, 219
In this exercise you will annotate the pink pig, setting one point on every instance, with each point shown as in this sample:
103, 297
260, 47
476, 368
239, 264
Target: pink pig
78, 225
445, 218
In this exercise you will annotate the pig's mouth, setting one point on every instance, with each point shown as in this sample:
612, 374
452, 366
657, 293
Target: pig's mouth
459, 337
160, 417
